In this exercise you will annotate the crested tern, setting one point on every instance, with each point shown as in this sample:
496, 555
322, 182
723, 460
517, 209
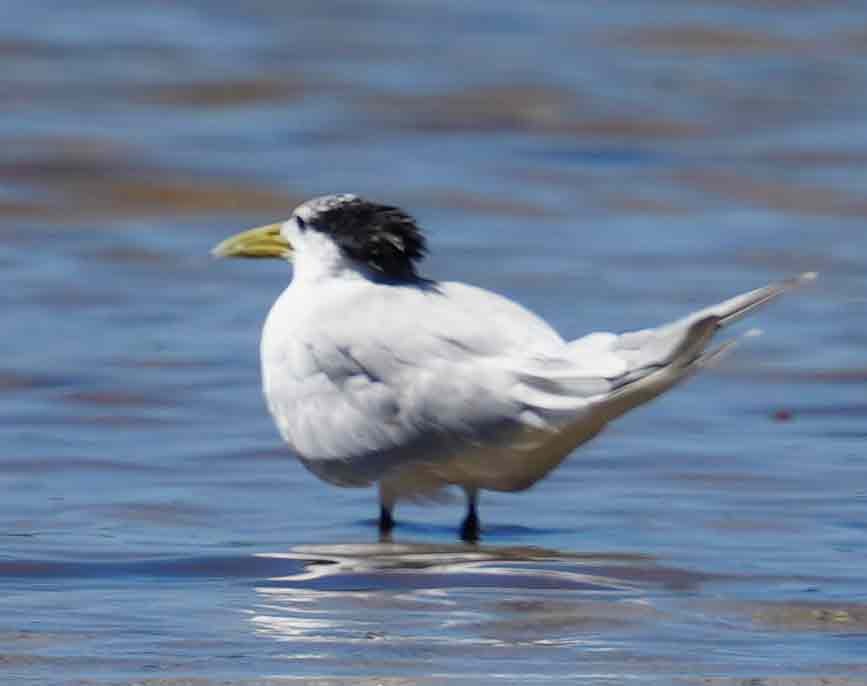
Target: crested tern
376, 375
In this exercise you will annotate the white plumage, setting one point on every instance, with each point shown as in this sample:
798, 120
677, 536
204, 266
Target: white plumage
417, 385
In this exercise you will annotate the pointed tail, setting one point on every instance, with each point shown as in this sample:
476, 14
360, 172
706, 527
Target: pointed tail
680, 348
733, 309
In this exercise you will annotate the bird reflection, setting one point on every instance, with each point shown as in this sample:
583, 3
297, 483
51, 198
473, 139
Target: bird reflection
341, 593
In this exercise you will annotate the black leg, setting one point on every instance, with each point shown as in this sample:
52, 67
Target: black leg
470, 525
386, 521
386, 507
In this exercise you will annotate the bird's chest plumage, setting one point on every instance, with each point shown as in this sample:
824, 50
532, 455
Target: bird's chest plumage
312, 384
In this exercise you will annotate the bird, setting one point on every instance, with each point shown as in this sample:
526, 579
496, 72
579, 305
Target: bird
377, 375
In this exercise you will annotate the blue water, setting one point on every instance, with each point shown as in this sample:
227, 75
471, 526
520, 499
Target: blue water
610, 166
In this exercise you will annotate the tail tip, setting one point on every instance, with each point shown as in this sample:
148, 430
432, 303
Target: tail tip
808, 276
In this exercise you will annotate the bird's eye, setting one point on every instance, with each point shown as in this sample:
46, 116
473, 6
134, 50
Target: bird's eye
302, 225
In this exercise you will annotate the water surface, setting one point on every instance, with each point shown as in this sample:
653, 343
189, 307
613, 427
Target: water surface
608, 166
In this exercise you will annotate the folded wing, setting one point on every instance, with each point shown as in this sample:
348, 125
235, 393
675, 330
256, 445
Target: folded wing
611, 373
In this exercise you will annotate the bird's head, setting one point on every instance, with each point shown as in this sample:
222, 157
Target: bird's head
381, 238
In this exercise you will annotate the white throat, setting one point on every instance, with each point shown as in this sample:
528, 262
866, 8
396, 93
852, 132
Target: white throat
315, 256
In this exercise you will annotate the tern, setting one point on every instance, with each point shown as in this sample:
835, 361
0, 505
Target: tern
375, 374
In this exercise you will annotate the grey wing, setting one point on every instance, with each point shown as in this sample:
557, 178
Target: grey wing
656, 359
368, 409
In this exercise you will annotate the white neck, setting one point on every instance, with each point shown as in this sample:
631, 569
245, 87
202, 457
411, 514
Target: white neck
316, 257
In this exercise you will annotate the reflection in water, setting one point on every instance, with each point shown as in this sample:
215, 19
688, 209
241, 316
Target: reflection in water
364, 610
426, 564
451, 612
454, 595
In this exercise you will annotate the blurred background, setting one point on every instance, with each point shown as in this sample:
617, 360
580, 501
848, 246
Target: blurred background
610, 165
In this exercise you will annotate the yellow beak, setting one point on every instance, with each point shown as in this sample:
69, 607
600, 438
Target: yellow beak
264, 241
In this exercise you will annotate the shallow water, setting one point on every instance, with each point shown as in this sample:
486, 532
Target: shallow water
609, 166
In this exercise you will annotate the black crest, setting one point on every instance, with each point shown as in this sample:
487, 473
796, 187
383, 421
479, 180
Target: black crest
383, 237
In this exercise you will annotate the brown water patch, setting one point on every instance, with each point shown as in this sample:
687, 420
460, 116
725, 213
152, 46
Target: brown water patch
149, 198
810, 617
16, 381
488, 205
17, 47
670, 578
811, 158
704, 39
786, 197
857, 40
226, 93
115, 399
21, 210
821, 617
639, 128
58, 157
162, 514
83, 179
33, 637
131, 255
37, 48
163, 195
635, 204
536, 109
483, 108
544, 621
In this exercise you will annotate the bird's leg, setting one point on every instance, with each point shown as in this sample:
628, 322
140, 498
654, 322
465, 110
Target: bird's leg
470, 525
386, 520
